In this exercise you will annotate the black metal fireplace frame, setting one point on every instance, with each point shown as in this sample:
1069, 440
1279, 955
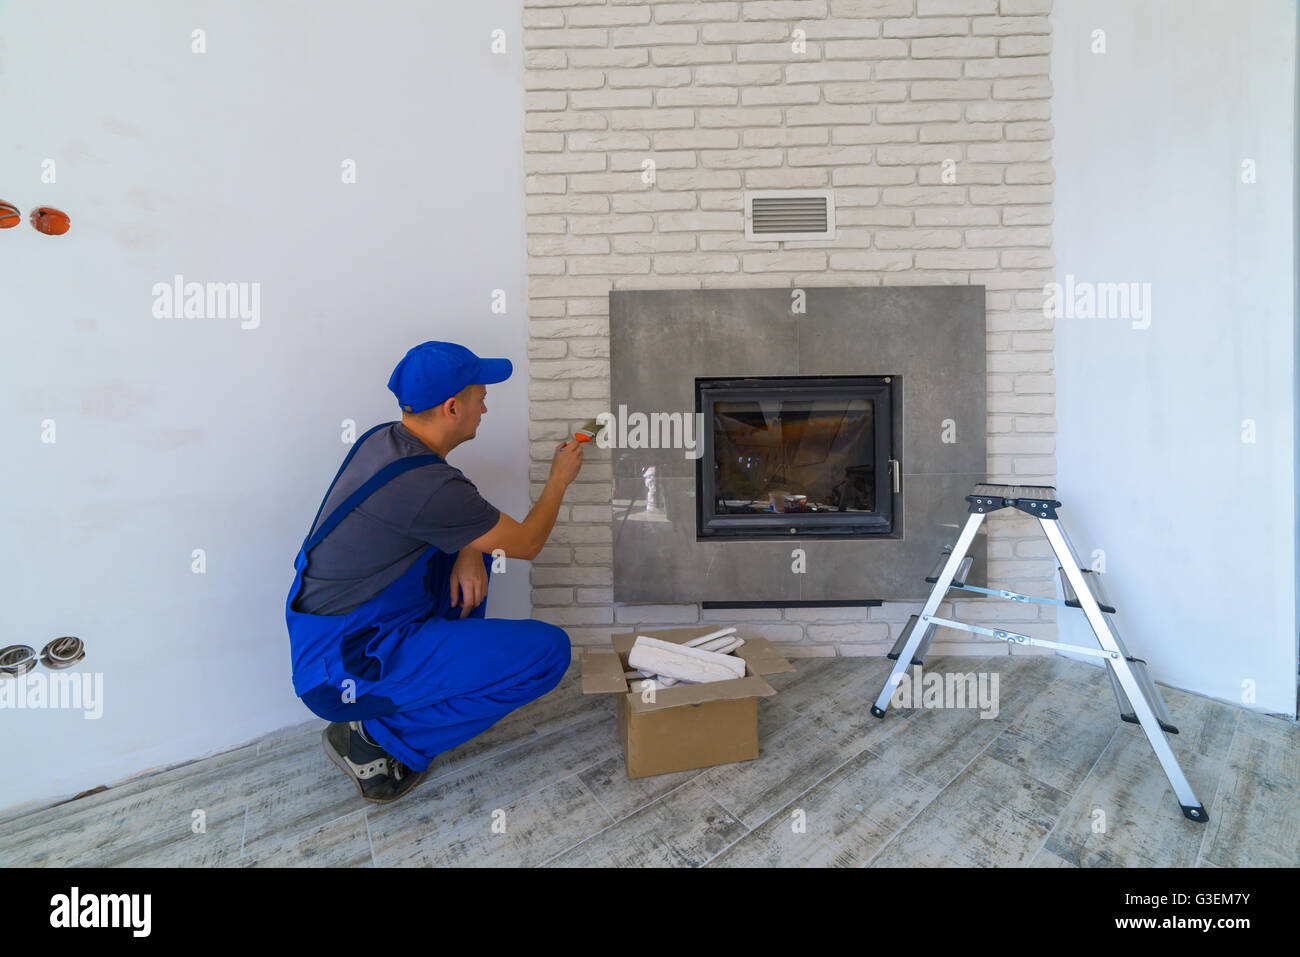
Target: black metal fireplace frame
885, 390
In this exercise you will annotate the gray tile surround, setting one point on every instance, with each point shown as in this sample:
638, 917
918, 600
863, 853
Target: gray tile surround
931, 336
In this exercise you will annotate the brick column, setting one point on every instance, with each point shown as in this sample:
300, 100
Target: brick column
929, 118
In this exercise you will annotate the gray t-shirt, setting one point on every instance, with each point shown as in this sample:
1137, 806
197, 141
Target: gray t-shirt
379, 539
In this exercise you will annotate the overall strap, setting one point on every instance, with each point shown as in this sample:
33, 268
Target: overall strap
351, 452
372, 484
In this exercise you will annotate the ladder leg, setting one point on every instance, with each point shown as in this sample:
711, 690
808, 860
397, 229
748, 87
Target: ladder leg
1192, 808
937, 595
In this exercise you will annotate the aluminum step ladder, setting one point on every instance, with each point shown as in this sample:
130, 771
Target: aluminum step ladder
1139, 701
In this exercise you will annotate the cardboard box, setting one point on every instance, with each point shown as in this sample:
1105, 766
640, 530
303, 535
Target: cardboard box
685, 726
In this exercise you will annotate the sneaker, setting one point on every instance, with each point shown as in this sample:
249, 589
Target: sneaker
378, 776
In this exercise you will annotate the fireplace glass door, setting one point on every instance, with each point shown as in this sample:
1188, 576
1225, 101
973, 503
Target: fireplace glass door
806, 455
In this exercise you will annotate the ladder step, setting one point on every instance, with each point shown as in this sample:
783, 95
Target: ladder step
1149, 691
923, 648
1093, 581
1015, 492
902, 639
918, 658
1036, 500
1152, 694
962, 570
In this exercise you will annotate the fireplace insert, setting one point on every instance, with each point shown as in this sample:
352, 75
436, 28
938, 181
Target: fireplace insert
802, 455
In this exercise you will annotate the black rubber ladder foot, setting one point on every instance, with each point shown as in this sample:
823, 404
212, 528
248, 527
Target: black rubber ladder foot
1195, 812
878, 712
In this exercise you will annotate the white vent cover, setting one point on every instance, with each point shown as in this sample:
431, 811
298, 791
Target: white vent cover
782, 215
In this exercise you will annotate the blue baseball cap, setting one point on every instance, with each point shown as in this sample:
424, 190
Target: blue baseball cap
432, 372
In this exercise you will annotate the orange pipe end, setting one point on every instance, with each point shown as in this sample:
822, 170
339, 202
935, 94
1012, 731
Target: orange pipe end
50, 221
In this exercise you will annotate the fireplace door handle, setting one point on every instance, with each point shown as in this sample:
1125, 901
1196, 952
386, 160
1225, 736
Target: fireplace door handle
895, 475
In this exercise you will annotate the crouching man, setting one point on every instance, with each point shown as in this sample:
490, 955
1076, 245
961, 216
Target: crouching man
386, 615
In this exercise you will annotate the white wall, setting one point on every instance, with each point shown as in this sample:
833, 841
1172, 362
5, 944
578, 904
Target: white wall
1197, 526
179, 434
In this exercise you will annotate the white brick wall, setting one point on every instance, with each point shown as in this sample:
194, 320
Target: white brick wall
716, 95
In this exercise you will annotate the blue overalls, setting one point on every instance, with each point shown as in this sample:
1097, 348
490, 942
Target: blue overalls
422, 678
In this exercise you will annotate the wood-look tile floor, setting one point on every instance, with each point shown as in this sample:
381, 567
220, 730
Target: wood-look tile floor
1054, 780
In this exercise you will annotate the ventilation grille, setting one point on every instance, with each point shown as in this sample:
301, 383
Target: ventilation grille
783, 215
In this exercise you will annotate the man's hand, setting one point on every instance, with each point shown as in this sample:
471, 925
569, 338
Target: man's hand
567, 461
469, 581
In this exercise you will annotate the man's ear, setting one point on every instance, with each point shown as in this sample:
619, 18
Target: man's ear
460, 398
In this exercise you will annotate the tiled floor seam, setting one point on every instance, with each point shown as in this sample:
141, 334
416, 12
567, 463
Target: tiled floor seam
1083, 782
532, 737
365, 816
1068, 794
469, 827
110, 794
739, 820
978, 755
874, 754
619, 820
926, 804
467, 764
515, 798
583, 785
315, 825
903, 827
833, 770
576, 771
750, 830
1050, 831
1218, 786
